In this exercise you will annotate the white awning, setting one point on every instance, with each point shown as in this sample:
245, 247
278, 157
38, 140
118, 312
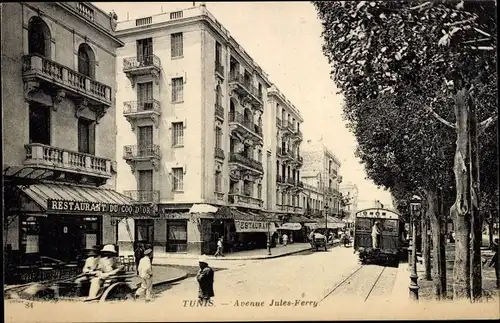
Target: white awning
290, 226
203, 208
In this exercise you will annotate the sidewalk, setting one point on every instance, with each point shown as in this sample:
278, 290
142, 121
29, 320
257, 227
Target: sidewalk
278, 251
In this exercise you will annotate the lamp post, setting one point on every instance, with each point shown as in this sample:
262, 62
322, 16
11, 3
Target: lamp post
415, 203
326, 220
269, 235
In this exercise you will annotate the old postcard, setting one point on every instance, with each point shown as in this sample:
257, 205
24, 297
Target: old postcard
231, 161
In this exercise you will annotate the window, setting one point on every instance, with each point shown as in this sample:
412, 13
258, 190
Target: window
145, 141
39, 125
177, 134
176, 15
145, 51
218, 96
86, 136
145, 186
259, 191
143, 21
38, 37
86, 60
177, 236
177, 89
247, 188
144, 231
218, 181
145, 95
176, 46
218, 53
259, 155
178, 179
218, 138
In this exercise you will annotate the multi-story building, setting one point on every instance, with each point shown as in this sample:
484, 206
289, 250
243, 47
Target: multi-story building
287, 157
313, 193
318, 158
350, 193
197, 133
59, 132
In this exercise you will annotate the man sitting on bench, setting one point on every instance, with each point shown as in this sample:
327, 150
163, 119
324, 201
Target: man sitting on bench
108, 266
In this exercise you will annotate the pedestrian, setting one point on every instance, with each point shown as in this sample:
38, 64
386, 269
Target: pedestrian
285, 239
205, 278
311, 238
220, 247
138, 254
376, 235
145, 273
495, 263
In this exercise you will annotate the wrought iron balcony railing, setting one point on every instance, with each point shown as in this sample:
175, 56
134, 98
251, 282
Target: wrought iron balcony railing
148, 196
248, 124
131, 107
219, 153
139, 62
246, 84
219, 111
278, 122
249, 162
141, 151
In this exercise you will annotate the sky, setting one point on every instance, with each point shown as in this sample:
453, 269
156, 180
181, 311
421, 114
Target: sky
284, 38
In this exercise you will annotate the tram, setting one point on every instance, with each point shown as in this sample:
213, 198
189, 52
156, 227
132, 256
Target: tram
391, 239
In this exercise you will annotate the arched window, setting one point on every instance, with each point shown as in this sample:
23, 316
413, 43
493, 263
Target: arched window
86, 60
38, 37
218, 96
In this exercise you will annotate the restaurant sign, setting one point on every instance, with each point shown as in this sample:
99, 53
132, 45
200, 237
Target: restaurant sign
251, 226
59, 206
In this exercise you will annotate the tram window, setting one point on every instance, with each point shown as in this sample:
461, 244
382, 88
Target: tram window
383, 213
389, 225
371, 213
363, 224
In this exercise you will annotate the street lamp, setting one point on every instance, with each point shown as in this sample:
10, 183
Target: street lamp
269, 235
326, 220
415, 203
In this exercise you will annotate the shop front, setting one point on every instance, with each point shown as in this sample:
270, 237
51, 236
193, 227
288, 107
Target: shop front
48, 220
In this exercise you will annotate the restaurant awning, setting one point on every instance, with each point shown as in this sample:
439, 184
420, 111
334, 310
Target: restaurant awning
292, 226
78, 199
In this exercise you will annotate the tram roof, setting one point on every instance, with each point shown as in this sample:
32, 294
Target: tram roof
378, 213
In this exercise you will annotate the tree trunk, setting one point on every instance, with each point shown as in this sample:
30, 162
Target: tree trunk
490, 230
438, 270
426, 255
460, 209
476, 216
442, 245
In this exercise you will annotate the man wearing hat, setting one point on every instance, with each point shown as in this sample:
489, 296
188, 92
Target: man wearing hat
495, 263
90, 266
145, 272
205, 278
376, 235
108, 266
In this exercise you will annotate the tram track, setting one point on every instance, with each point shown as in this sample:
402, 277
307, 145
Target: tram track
364, 282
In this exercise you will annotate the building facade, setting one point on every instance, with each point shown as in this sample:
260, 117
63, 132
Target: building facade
318, 158
197, 135
58, 85
350, 193
286, 138
313, 194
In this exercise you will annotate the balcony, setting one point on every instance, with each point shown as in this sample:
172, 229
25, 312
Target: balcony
291, 181
245, 200
143, 196
298, 135
219, 70
219, 153
298, 209
135, 110
278, 123
285, 208
244, 126
219, 112
279, 179
61, 81
333, 173
250, 163
244, 87
134, 154
66, 161
142, 65
300, 160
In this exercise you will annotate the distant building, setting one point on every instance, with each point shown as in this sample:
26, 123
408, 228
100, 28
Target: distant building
319, 159
313, 194
350, 192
